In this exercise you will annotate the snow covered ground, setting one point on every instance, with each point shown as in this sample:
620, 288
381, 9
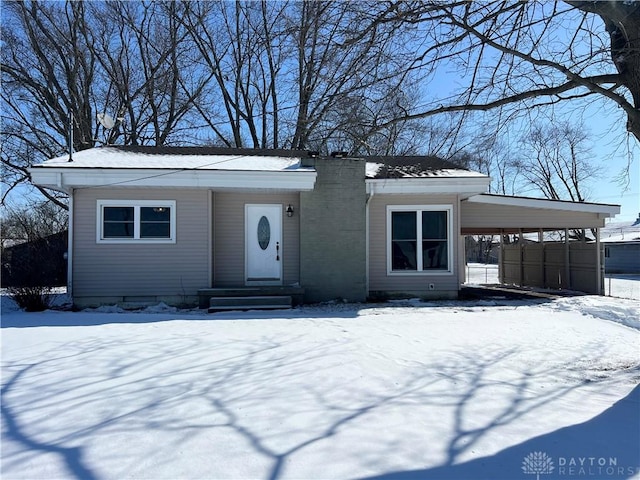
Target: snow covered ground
439, 390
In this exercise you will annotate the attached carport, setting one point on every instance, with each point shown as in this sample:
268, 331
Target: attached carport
571, 265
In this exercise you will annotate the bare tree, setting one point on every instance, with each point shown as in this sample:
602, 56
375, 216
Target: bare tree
240, 45
285, 75
559, 161
72, 60
47, 76
149, 75
526, 54
30, 222
33, 242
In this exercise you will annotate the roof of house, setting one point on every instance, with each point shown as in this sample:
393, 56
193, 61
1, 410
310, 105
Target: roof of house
621, 232
244, 159
180, 158
425, 166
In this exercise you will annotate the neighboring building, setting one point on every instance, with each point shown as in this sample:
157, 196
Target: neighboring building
170, 224
39, 262
622, 247
482, 249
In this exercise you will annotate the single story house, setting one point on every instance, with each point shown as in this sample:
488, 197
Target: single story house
179, 224
622, 247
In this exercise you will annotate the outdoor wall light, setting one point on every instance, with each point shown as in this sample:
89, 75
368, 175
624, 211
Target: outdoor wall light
289, 210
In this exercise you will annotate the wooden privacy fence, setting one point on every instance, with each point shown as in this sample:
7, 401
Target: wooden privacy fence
553, 265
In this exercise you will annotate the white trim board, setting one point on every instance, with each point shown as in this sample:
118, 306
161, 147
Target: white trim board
450, 240
545, 204
463, 186
135, 204
64, 179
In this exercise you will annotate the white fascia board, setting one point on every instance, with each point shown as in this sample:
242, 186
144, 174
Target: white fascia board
603, 210
456, 185
65, 179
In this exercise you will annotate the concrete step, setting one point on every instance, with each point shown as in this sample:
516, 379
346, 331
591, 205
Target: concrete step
295, 292
257, 302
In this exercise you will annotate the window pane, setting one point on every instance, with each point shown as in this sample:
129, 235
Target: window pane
118, 230
403, 226
404, 255
155, 214
155, 230
264, 232
434, 225
117, 222
155, 222
118, 214
435, 255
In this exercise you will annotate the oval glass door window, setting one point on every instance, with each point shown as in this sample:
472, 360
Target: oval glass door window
264, 232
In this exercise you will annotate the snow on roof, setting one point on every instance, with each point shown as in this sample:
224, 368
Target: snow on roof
214, 158
375, 171
620, 232
372, 169
188, 158
388, 167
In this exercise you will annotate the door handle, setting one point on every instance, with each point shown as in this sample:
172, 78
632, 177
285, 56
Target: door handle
277, 251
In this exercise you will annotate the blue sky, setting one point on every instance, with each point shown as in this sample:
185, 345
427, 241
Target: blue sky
612, 153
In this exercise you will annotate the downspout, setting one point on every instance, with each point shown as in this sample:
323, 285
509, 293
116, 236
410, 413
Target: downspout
70, 247
461, 254
210, 245
366, 243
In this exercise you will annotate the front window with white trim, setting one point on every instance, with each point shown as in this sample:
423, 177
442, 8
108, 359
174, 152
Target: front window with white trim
419, 239
140, 221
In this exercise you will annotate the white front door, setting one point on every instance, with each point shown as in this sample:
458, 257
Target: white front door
263, 244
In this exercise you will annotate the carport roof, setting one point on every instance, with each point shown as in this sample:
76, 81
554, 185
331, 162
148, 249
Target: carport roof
487, 214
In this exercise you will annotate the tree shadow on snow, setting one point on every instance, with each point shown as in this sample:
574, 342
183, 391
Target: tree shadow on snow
607, 446
248, 390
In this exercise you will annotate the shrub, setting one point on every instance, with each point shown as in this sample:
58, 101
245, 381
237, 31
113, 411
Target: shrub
32, 299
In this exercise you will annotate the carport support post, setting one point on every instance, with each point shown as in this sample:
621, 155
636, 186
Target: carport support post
501, 259
541, 242
567, 266
521, 269
599, 279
